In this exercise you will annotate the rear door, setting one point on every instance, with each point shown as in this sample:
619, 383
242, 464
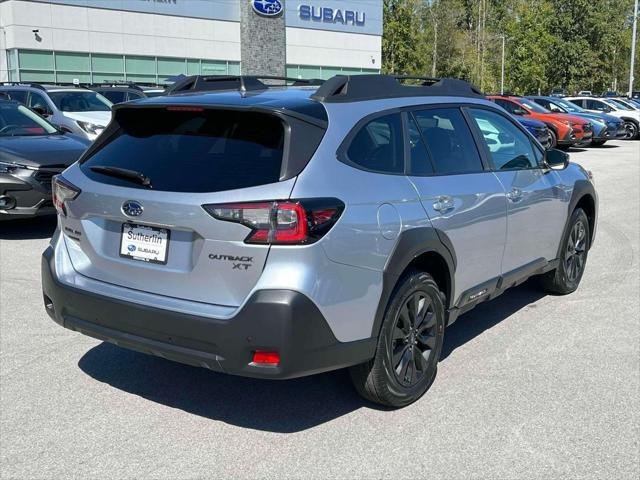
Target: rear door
158, 238
535, 196
465, 202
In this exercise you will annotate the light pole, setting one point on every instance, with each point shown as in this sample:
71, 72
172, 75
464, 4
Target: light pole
633, 47
502, 69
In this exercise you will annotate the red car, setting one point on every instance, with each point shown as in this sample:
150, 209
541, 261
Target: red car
566, 130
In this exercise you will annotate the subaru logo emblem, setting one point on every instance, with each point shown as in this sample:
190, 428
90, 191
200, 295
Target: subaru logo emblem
132, 208
131, 248
268, 8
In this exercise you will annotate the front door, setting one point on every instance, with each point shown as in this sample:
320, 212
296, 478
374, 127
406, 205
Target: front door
536, 198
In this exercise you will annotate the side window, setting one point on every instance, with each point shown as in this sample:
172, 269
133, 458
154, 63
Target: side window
595, 105
449, 141
134, 96
114, 96
553, 107
507, 105
420, 163
378, 145
510, 148
18, 96
38, 103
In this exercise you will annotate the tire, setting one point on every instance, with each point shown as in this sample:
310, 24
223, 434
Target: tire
409, 345
554, 139
631, 130
573, 258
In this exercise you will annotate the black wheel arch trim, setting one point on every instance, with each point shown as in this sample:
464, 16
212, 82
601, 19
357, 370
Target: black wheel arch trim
410, 245
581, 189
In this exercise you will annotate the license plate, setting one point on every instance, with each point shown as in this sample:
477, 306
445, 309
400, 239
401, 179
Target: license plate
144, 243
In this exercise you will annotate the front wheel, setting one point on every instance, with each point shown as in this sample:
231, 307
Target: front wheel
409, 345
553, 139
630, 130
573, 257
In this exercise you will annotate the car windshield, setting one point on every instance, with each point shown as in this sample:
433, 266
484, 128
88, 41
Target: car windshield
17, 120
617, 104
80, 101
533, 106
568, 106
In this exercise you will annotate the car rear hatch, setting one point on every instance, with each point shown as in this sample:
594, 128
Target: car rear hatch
151, 232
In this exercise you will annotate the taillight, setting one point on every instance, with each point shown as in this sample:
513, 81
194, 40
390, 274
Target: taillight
63, 191
290, 222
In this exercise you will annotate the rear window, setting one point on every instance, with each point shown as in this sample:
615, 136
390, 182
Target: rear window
186, 151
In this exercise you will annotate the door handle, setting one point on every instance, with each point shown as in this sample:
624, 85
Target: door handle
443, 204
515, 195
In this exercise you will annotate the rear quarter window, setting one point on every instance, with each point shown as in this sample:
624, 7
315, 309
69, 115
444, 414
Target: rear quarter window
378, 145
187, 151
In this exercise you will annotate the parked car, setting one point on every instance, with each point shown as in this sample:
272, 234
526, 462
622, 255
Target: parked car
610, 93
558, 92
538, 129
566, 130
72, 109
31, 152
630, 117
634, 101
585, 93
622, 102
605, 127
125, 92
224, 230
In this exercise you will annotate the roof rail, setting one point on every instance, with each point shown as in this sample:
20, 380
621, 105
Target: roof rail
23, 84
114, 85
353, 88
242, 83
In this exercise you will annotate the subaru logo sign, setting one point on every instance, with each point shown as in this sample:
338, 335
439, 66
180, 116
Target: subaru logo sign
132, 208
131, 248
268, 8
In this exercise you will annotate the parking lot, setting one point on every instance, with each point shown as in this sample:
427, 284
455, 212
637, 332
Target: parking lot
529, 385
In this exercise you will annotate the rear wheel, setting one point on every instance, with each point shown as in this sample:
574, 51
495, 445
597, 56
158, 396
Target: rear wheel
409, 345
573, 258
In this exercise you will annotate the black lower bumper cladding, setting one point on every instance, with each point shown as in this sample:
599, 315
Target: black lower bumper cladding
273, 320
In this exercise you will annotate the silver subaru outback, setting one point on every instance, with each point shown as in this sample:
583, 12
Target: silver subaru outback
281, 231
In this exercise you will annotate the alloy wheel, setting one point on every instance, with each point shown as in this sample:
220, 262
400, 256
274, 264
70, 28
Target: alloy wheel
413, 339
576, 251
630, 131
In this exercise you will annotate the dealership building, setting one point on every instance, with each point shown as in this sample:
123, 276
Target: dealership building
148, 41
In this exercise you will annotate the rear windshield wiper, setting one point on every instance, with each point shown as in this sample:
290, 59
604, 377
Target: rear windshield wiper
123, 173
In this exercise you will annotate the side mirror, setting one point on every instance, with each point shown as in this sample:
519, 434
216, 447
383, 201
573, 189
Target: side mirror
556, 159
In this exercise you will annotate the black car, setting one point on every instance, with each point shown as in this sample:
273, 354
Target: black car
32, 151
125, 92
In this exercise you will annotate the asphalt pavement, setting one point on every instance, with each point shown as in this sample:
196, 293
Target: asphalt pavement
529, 385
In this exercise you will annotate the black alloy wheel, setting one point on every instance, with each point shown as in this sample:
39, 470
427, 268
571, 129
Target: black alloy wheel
414, 339
575, 255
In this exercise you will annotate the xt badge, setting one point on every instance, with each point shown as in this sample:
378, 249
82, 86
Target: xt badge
238, 263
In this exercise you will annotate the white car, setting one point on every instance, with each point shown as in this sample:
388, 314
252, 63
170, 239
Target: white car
618, 109
72, 109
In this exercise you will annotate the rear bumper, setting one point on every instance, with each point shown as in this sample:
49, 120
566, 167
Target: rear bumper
274, 320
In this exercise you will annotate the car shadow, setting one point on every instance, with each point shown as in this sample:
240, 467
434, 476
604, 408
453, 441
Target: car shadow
28, 228
282, 406
488, 314
277, 406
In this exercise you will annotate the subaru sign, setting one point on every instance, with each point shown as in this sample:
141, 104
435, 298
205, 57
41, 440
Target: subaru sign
353, 16
268, 8
329, 15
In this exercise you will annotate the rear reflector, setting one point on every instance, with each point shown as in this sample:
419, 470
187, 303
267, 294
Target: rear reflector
291, 222
266, 358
